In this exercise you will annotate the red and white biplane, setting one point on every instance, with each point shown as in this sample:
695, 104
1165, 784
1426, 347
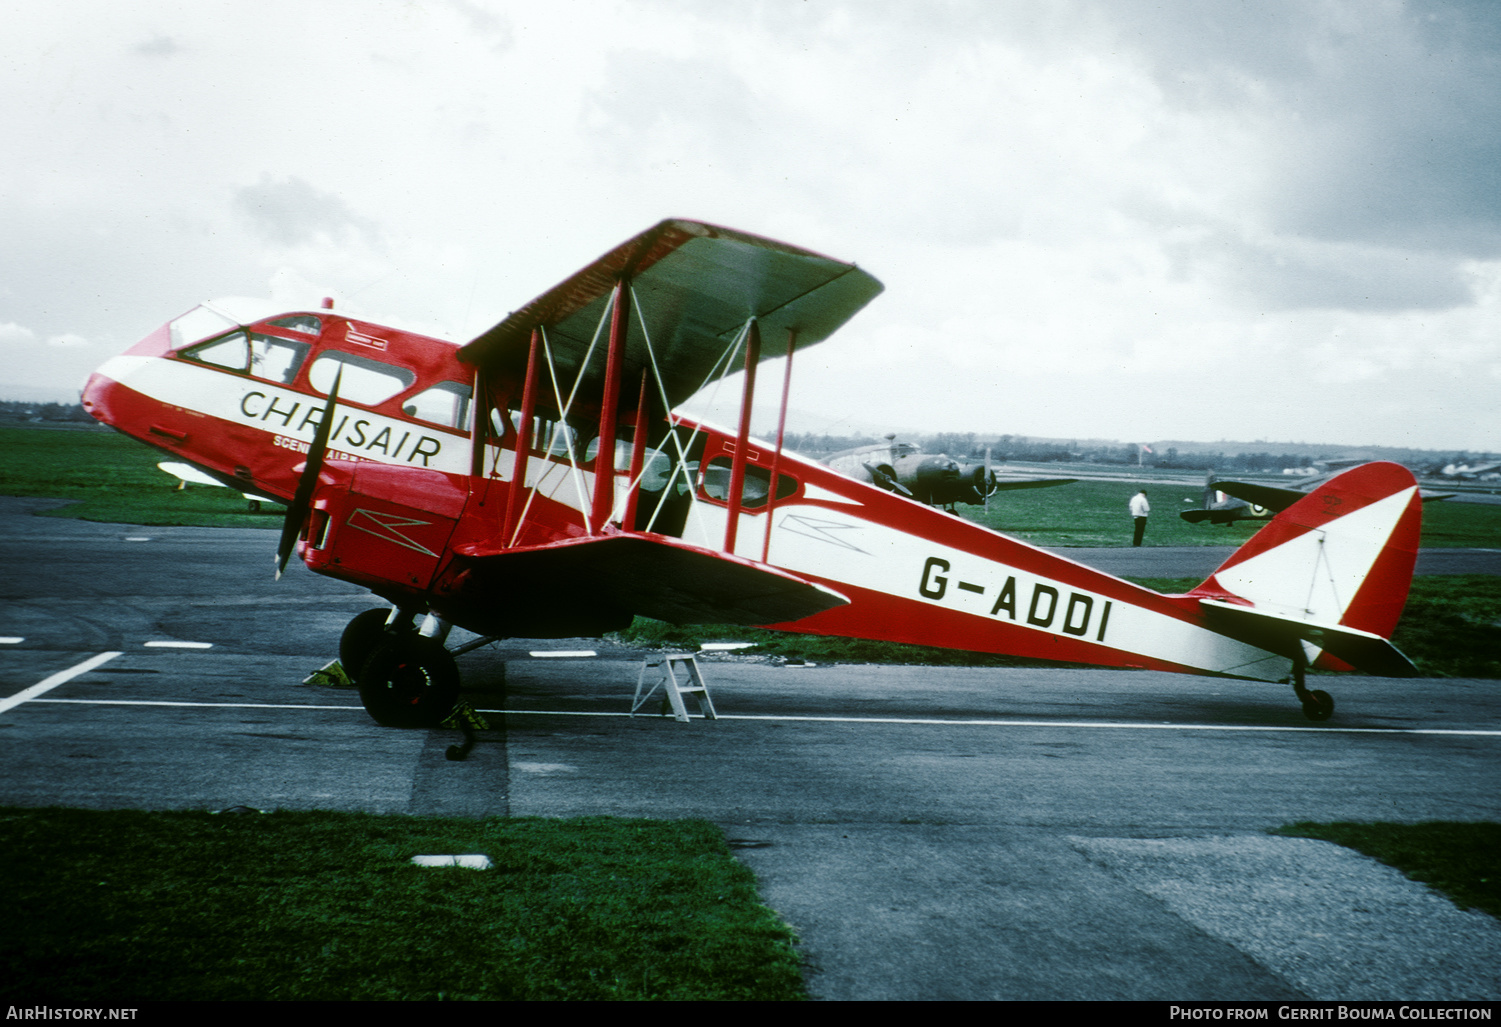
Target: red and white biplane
537, 483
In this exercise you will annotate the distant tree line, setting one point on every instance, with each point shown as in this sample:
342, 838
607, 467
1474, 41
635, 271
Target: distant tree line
972, 446
20, 410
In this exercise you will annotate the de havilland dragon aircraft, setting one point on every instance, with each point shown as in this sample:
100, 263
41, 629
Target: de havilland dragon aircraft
536, 482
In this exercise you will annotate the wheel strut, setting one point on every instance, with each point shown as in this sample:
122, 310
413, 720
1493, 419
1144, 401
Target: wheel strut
1318, 705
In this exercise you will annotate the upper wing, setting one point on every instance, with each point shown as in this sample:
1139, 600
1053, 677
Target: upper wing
697, 285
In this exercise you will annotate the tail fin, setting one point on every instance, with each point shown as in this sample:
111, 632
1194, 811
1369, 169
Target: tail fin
1333, 570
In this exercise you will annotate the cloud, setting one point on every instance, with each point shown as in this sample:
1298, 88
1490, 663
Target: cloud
291, 212
158, 46
1092, 217
1293, 273
1373, 116
16, 335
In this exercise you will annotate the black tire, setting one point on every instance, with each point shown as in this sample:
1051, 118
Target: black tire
409, 682
1319, 705
360, 638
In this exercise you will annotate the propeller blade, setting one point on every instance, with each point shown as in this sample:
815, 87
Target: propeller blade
297, 509
883, 480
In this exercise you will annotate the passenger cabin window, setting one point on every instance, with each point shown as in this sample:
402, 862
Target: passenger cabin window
364, 381
716, 484
549, 438
308, 324
445, 404
263, 356
622, 453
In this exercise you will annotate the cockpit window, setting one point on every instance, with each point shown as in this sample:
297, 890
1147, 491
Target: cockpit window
445, 404
199, 323
364, 381
263, 356
305, 323
232, 351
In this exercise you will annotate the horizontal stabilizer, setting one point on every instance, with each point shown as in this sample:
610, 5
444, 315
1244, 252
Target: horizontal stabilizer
650, 576
1280, 634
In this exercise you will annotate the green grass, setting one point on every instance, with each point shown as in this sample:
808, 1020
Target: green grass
1093, 513
114, 478
112, 907
1461, 860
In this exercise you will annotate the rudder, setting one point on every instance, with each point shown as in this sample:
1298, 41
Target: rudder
1344, 554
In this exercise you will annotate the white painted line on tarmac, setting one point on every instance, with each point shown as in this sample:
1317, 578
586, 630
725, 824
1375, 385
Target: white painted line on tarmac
560, 654
11, 640
205, 705
61, 677
179, 645
1081, 724
919, 721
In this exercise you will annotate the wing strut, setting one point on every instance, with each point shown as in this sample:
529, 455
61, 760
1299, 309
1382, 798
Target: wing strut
638, 458
776, 459
523, 441
737, 463
680, 465
604, 453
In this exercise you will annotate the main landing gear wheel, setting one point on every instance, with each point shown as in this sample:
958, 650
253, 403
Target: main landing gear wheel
409, 682
364, 634
1318, 705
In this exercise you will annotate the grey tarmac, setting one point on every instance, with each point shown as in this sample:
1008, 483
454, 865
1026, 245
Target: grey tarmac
930, 832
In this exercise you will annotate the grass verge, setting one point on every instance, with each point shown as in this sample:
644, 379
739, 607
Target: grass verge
115, 479
106, 907
1462, 860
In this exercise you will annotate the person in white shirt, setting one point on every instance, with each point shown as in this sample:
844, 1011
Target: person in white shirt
1139, 508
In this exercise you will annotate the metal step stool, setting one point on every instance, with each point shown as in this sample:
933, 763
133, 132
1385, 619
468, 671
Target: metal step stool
670, 665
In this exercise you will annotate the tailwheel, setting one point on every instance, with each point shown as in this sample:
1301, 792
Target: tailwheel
1318, 705
409, 681
365, 633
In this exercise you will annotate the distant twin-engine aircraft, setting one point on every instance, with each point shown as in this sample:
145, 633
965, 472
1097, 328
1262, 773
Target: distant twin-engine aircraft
536, 482
932, 478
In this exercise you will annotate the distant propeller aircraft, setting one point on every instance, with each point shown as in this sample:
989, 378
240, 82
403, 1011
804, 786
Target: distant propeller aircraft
536, 482
1469, 472
935, 479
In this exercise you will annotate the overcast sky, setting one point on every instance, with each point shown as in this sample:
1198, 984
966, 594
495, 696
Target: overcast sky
1129, 219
